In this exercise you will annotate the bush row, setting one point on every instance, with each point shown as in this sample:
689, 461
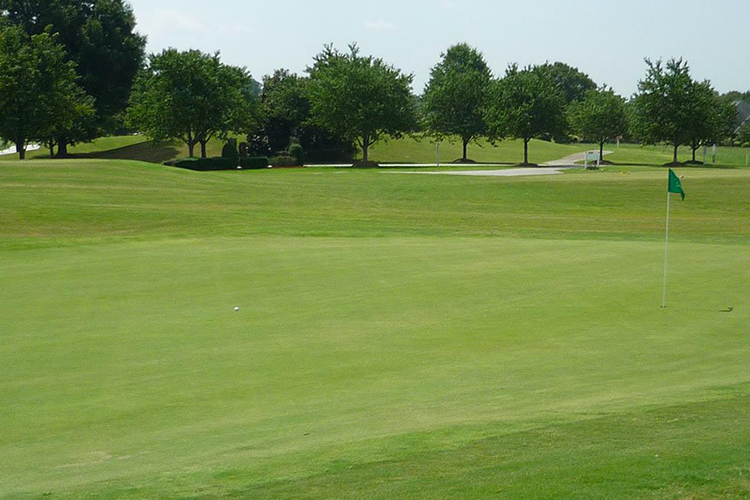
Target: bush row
220, 163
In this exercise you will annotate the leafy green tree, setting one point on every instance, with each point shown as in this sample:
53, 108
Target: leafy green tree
39, 93
599, 117
525, 105
192, 97
573, 83
456, 94
284, 108
100, 37
712, 117
743, 134
360, 98
663, 110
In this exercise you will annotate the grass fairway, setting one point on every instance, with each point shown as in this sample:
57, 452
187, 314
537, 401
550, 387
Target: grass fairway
399, 336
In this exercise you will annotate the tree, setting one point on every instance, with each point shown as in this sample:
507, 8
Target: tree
743, 134
191, 96
573, 83
284, 108
599, 117
712, 118
524, 105
663, 108
455, 96
99, 36
360, 98
39, 93
284, 118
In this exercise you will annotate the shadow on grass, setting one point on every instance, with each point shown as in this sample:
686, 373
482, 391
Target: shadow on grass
145, 151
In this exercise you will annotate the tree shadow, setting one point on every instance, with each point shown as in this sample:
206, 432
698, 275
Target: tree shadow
149, 151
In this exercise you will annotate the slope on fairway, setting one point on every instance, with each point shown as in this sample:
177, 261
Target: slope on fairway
398, 336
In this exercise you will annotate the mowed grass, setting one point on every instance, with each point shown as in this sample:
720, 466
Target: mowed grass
419, 150
126, 147
399, 336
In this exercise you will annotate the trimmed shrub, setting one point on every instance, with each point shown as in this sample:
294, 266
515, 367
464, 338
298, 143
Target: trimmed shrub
297, 152
284, 161
254, 162
229, 151
206, 164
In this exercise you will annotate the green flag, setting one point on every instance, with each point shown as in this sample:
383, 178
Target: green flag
675, 186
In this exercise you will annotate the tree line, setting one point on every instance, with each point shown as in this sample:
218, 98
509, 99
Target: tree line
74, 70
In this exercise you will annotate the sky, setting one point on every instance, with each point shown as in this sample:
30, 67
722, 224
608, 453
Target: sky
606, 39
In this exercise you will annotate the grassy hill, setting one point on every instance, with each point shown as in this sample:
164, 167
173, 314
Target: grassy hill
407, 150
399, 336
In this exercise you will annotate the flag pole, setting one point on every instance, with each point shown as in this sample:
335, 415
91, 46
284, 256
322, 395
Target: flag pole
666, 257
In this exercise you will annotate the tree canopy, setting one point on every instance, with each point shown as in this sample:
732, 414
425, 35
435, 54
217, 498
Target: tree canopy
456, 94
525, 104
572, 82
360, 97
39, 93
663, 109
713, 118
193, 97
100, 37
600, 117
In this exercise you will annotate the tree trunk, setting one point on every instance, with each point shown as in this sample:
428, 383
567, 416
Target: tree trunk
191, 149
62, 148
676, 147
365, 149
601, 152
51, 149
695, 148
21, 149
526, 151
466, 147
204, 154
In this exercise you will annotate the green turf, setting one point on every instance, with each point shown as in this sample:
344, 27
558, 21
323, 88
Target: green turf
129, 147
406, 150
400, 336
423, 150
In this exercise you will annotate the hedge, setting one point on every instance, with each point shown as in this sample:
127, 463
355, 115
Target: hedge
284, 161
254, 162
218, 163
206, 164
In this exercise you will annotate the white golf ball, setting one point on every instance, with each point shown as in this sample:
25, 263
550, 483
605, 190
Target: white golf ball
236, 309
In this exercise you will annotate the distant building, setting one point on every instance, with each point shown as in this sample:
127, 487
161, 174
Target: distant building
743, 114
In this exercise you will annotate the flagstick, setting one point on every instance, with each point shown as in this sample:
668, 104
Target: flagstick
666, 257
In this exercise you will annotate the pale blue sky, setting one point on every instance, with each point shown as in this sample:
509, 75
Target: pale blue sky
604, 38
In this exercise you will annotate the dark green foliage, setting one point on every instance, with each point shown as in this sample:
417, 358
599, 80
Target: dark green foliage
39, 93
663, 109
525, 105
600, 117
230, 152
284, 116
360, 98
713, 118
284, 108
193, 97
743, 134
736, 95
206, 164
298, 153
100, 37
573, 83
254, 162
244, 150
284, 161
455, 96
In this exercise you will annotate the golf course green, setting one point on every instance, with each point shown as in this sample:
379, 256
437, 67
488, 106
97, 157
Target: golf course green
398, 336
